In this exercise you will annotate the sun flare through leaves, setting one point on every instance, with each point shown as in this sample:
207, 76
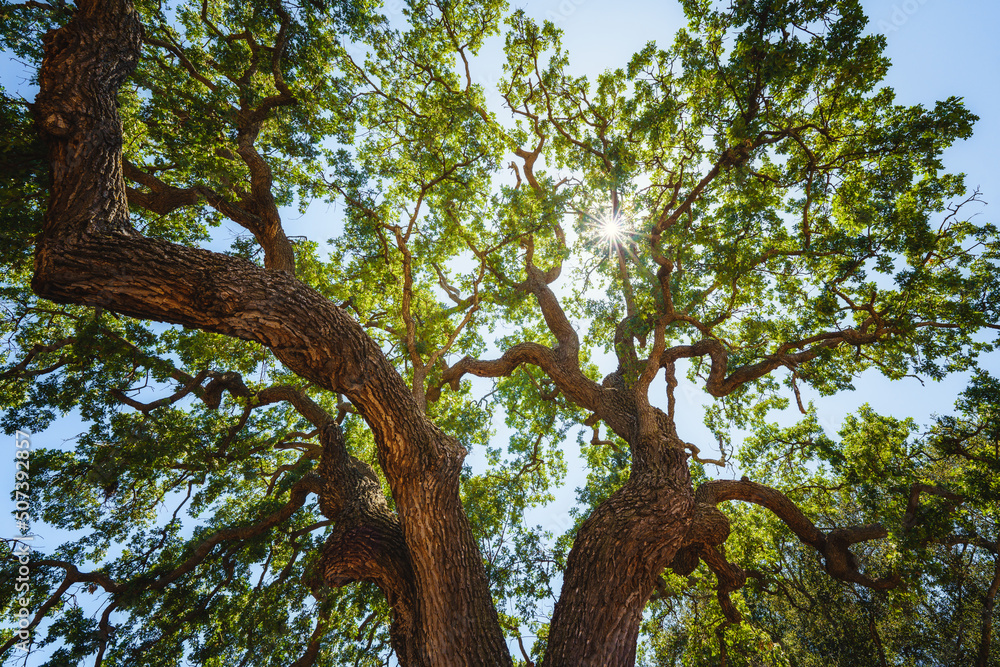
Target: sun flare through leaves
609, 230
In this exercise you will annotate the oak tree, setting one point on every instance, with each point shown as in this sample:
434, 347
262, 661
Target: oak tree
273, 470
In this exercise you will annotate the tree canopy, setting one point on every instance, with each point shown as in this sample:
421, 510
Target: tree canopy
273, 468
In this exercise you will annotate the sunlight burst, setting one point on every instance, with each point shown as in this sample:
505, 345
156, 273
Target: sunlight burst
610, 230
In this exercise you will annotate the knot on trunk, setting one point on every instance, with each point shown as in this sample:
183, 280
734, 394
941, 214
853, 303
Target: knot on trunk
353, 553
56, 124
709, 528
686, 560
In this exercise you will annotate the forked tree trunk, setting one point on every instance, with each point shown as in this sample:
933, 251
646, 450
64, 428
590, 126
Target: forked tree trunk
89, 254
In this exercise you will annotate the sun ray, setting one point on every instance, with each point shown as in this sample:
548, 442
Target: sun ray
609, 230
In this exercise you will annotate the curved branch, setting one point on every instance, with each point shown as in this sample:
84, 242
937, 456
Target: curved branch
264, 221
561, 363
21, 368
308, 658
300, 490
257, 212
522, 353
839, 562
146, 408
971, 540
730, 577
714, 492
719, 384
910, 518
160, 198
73, 575
695, 456
566, 375
301, 401
537, 283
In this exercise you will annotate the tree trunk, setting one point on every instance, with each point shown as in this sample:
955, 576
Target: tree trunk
989, 602
619, 552
89, 254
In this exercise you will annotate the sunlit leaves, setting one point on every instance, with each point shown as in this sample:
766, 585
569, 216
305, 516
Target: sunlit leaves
861, 475
775, 197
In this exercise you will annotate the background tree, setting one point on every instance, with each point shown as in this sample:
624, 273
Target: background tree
745, 208
938, 491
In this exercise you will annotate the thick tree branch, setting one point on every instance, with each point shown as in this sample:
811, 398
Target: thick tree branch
89, 254
161, 281
264, 221
78, 103
522, 353
537, 283
730, 578
834, 546
160, 198
560, 363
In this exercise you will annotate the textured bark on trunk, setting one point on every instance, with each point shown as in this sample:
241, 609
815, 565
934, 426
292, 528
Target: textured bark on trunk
156, 280
423, 555
89, 254
618, 554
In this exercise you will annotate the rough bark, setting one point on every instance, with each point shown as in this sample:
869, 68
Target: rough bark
367, 543
423, 556
621, 549
619, 552
89, 254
